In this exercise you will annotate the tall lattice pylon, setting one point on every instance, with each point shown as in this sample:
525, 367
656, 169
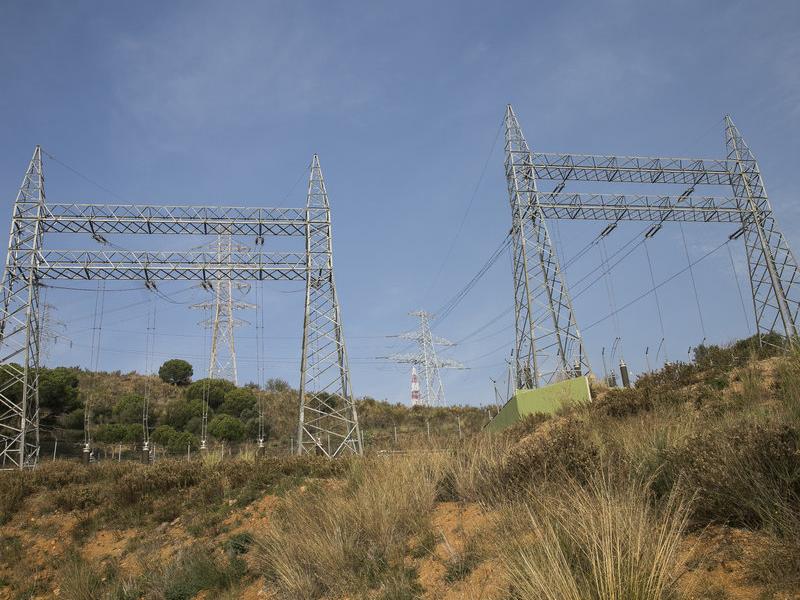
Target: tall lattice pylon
20, 325
223, 320
432, 393
328, 418
551, 349
773, 268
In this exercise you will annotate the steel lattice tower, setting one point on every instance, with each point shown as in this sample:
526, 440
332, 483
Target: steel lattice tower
223, 321
548, 342
432, 393
327, 404
551, 349
20, 325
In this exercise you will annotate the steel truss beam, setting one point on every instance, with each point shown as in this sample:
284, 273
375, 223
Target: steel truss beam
619, 207
148, 219
328, 423
170, 266
774, 276
625, 169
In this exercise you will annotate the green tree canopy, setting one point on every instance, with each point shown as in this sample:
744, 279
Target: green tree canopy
58, 389
176, 371
237, 401
226, 427
181, 410
215, 388
129, 409
116, 433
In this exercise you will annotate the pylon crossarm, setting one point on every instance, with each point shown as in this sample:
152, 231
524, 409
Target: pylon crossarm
623, 169
193, 265
178, 219
617, 207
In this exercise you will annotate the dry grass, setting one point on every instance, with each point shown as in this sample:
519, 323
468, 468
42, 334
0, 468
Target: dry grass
352, 539
603, 540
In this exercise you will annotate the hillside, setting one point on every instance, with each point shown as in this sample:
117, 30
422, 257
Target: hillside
115, 402
685, 487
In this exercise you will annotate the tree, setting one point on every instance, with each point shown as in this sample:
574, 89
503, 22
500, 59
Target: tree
237, 401
181, 410
214, 389
176, 371
226, 427
129, 409
58, 390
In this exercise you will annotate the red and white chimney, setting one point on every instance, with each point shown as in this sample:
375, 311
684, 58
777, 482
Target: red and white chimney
414, 387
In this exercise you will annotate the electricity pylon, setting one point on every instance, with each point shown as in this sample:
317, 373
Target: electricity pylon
554, 339
223, 321
325, 376
550, 349
426, 358
327, 406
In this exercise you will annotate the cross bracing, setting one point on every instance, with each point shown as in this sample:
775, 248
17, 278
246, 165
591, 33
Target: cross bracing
327, 407
549, 345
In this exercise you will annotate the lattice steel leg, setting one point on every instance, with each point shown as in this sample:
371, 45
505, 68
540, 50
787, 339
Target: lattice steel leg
543, 354
772, 265
327, 407
20, 326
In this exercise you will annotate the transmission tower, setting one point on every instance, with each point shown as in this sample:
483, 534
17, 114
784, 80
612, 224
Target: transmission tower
548, 343
426, 358
326, 402
222, 362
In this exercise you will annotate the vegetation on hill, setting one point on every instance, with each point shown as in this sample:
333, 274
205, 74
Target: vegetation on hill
686, 486
116, 400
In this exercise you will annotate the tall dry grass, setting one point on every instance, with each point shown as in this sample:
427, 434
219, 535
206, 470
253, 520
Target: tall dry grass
601, 540
346, 540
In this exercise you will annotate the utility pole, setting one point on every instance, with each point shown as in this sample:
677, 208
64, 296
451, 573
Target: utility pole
432, 394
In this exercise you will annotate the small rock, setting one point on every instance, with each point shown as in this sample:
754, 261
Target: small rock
176, 521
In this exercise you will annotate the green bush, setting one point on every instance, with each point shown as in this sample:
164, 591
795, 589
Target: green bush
213, 389
129, 409
58, 389
180, 411
237, 401
226, 427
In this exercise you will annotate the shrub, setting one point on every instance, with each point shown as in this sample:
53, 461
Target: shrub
58, 389
213, 389
745, 474
237, 401
180, 411
176, 371
129, 409
226, 427
562, 448
14, 488
623, 402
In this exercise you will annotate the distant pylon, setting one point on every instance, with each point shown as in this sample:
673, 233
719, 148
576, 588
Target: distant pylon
433, 392
415, 400
222, 322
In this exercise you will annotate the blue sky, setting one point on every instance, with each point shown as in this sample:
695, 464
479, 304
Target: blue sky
224, 103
